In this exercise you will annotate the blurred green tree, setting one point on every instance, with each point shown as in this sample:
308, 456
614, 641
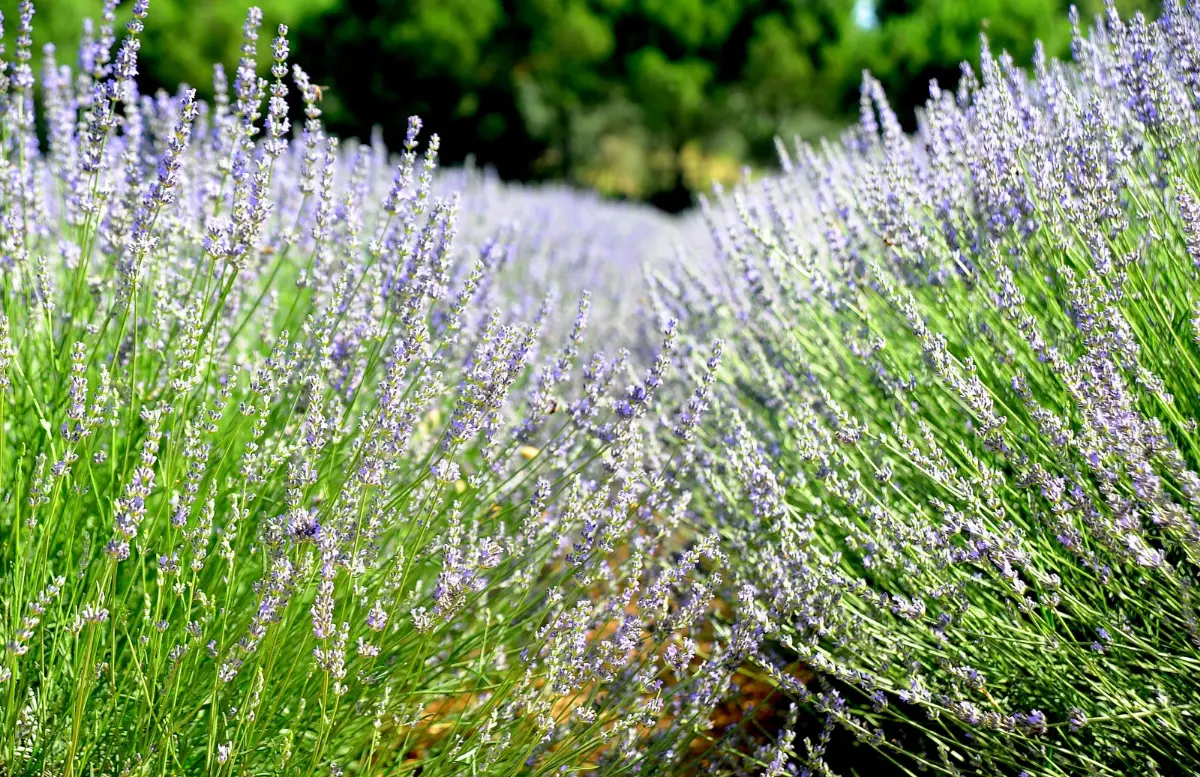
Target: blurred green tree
182, 38
536, 87
668, 91
449, 61
561, 72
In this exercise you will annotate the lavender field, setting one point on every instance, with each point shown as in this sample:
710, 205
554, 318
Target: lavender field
318, 460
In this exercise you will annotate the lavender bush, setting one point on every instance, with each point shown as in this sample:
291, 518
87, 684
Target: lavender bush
958, 445
303, 469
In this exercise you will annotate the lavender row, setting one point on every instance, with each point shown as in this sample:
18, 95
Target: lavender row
316, 460
956, 455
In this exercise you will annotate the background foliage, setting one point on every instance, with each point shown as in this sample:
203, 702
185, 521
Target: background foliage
640, 98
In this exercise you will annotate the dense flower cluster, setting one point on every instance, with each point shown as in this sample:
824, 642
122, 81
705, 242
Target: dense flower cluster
958, 450
316, 460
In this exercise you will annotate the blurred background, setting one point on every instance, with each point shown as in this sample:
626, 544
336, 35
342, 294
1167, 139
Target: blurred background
639, 99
